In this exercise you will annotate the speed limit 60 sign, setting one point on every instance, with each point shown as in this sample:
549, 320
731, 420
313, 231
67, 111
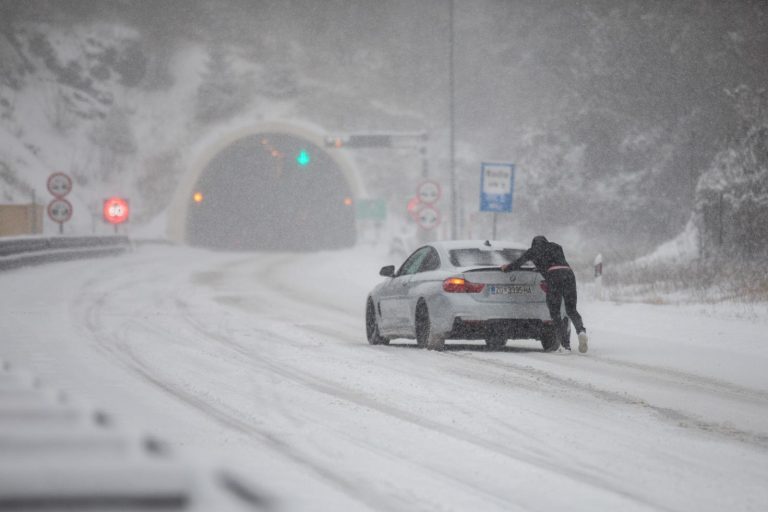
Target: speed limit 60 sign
116, 210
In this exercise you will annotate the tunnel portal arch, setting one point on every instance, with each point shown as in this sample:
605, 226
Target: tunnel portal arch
254, 194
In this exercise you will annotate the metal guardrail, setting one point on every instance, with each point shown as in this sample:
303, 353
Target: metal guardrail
21, 252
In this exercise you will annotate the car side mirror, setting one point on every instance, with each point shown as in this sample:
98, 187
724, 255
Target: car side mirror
387, 271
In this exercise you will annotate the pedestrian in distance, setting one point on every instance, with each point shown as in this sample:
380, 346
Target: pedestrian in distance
561, 285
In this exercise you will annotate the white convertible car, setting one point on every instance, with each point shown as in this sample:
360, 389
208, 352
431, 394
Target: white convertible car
455, 290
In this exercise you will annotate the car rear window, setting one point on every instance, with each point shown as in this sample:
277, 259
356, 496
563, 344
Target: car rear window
479, 257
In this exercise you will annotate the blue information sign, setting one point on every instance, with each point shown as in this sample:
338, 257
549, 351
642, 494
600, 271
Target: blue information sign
497, 186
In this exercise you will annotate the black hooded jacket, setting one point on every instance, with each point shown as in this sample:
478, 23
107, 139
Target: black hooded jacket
543, 253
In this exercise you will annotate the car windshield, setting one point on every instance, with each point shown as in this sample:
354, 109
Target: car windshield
479, 257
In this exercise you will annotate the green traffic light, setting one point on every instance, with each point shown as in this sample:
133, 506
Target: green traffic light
303, 158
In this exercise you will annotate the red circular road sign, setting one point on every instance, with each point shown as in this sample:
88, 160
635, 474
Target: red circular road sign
429, 217
116, 210
60, 210
428, 191
59, 184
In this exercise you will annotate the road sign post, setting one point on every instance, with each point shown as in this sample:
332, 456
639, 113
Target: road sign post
497, 185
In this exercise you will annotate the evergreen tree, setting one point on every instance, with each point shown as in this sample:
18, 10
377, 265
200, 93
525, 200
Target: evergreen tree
219, 95
732, 197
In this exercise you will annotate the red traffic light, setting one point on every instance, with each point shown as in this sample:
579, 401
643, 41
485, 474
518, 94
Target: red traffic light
116, 210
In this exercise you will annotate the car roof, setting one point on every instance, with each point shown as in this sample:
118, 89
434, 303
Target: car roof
486, 245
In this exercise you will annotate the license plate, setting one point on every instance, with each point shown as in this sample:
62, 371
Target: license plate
510, 289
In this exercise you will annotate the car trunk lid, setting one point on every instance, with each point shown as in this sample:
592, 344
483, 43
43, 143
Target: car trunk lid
516, 286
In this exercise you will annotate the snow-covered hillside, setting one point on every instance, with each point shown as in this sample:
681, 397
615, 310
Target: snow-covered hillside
86, 99
72, 105
77, 102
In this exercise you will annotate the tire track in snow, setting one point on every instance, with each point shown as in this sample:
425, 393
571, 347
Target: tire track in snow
333, 389
104, 303
705, 384
680, 418
113, 344
678, 379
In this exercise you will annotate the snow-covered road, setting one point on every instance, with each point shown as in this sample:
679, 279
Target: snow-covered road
258, 363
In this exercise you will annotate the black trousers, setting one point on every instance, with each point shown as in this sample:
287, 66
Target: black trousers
562, 286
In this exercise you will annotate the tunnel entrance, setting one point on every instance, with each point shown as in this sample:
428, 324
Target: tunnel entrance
271, 192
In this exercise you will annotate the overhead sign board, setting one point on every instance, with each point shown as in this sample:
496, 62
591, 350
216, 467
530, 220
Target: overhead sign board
497, 186
359, 141
371, 209
59, 184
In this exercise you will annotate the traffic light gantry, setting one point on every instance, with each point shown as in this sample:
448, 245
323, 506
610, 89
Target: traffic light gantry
406, 140
377, 140
359, 141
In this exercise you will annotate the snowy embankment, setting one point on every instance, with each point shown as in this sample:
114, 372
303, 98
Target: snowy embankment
258, 363
677, 273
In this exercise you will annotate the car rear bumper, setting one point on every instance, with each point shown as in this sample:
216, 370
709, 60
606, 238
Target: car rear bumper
467, 318
500, 327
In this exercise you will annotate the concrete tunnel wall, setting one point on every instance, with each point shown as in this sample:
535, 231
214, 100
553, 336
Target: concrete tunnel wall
179, 211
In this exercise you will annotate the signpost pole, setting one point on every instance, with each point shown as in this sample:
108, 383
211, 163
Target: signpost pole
451, 125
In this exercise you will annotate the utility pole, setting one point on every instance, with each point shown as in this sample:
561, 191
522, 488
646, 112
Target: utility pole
692, 178
452, 108
720, 220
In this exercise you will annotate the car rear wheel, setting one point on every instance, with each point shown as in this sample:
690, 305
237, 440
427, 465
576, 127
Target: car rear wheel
496, 341
372, 326
424, 335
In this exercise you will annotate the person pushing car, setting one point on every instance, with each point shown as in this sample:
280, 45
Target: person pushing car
561, 285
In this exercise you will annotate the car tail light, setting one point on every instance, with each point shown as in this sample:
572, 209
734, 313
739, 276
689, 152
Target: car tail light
544, 286
461, 285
